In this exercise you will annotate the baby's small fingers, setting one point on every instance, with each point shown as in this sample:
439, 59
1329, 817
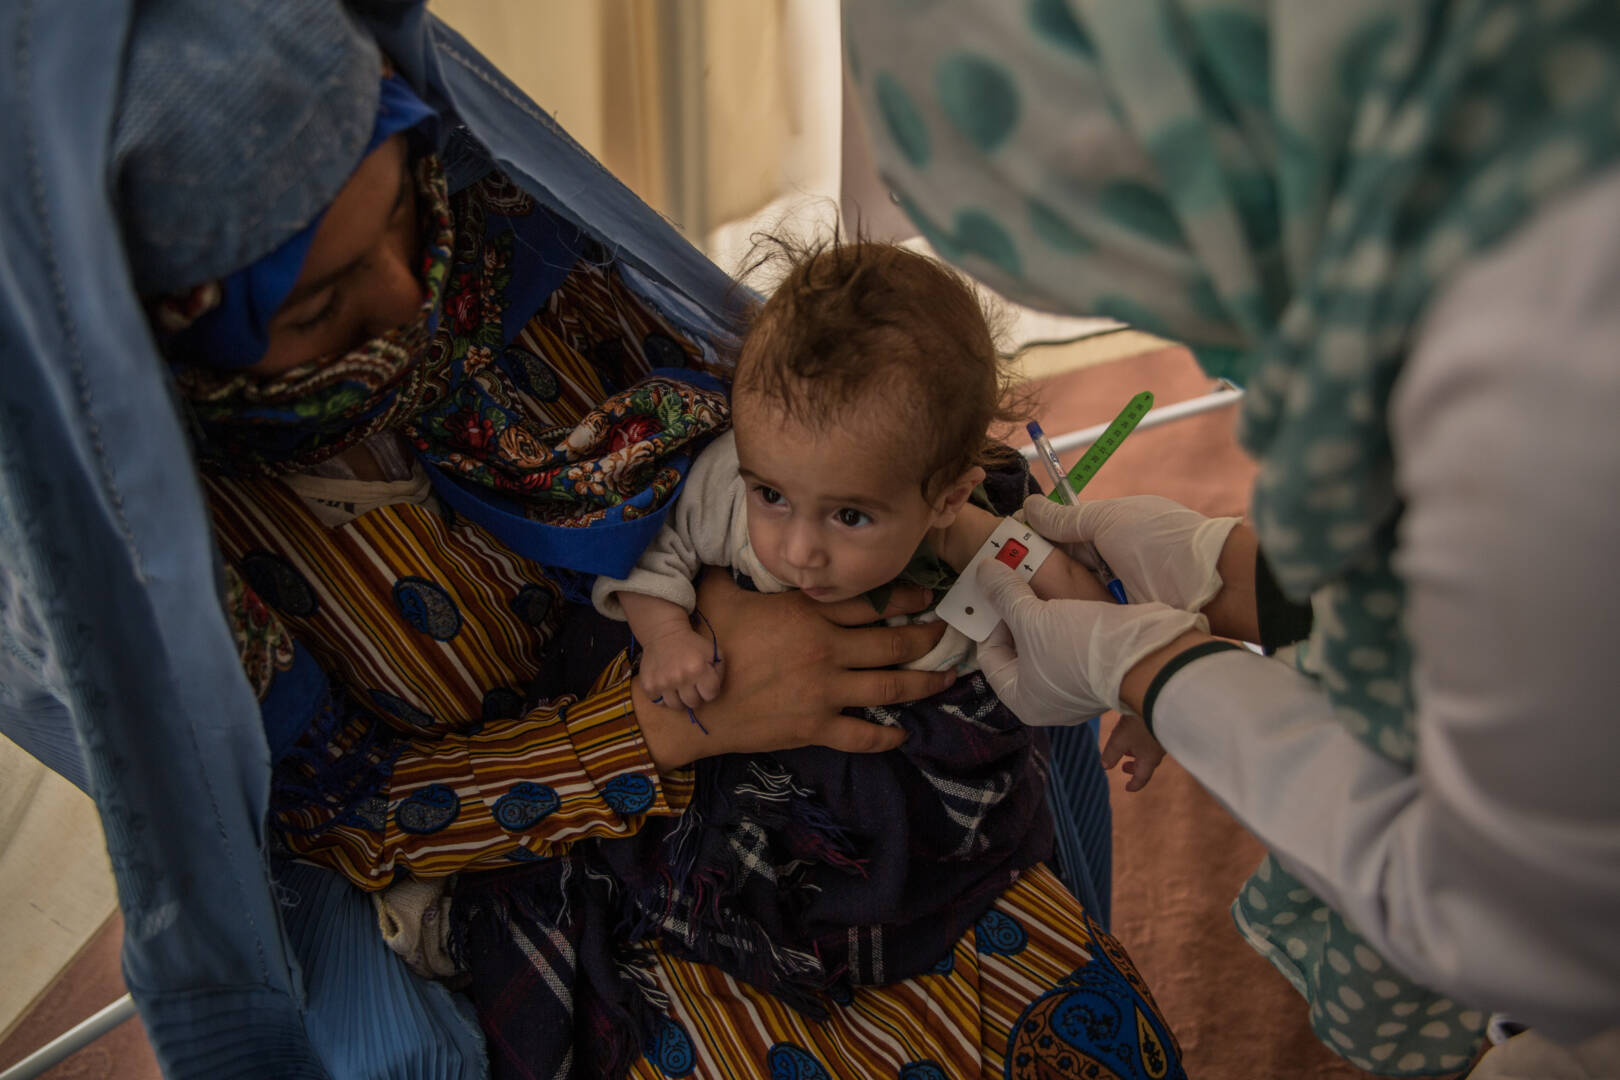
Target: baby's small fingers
1145, 769
689, 696
709, 683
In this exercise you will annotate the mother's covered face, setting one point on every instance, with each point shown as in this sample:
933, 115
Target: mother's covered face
346, 275
360, 278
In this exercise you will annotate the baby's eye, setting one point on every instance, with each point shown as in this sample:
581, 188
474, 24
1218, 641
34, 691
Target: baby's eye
768, 495
852, 518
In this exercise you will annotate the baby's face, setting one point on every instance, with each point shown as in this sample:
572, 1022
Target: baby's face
829, 512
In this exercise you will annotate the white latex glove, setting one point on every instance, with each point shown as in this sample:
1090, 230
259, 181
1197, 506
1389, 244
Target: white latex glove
1159, 549
1061, 661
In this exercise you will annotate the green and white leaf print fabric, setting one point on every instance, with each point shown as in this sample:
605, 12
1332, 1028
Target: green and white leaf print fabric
1282, 186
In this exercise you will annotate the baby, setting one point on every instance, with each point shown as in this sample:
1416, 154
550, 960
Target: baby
864, 389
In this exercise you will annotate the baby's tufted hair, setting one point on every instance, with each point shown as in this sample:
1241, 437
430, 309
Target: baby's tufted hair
854, 318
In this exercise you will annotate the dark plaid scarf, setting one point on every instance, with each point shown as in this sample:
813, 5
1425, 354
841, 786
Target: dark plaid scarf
806, 873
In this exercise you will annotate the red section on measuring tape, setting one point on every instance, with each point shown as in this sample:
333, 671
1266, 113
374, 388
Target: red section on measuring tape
1012, 553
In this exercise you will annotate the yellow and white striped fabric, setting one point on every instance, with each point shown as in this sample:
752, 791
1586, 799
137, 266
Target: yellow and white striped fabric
986, 1012
439, 629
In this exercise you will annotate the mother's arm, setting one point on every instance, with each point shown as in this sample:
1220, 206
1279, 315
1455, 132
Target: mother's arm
598, 766
791, 666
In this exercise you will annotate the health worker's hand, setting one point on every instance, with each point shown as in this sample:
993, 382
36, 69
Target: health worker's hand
791, 666
1160, 550
1061, 661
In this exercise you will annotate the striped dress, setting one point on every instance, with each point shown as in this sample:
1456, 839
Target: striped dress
436, 628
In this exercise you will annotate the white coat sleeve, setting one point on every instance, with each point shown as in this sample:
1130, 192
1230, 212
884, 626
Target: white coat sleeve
1492, 872
693, 535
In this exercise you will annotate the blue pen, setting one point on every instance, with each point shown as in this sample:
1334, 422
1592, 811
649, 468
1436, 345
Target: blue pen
1065, 495
1049, 458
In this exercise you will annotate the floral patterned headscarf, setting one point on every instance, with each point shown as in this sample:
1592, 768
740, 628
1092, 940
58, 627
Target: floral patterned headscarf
469, 406
319, 409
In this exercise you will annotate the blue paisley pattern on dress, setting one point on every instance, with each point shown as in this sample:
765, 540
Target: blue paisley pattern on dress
501, 703
401, 709
1099, 1023
536, 374
789, 1062
427, 607
370, 813
279, 584
525, 806
532, 604
997, 932
524, 855
630, 793
671, 1049
428, 810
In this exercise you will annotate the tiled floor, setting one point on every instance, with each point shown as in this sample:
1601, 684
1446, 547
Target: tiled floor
56, 885
1179, 858
88, 983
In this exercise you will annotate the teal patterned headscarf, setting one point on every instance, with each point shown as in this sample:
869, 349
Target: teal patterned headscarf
1283, 187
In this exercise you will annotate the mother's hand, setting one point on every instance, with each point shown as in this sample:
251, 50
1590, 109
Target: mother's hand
791, 665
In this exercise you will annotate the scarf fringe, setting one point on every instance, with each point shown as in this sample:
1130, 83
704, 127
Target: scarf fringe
321, 771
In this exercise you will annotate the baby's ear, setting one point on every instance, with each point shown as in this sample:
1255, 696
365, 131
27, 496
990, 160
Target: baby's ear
954, 497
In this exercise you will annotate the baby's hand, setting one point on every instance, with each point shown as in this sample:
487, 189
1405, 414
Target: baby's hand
681, 668
1130, 739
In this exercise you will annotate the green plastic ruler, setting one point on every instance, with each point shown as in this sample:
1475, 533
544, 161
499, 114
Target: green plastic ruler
1101, 450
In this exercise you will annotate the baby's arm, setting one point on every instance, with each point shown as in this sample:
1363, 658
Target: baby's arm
656, 598
1061, 577
676, 660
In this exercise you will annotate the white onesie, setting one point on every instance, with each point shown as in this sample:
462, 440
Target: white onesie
708, 526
